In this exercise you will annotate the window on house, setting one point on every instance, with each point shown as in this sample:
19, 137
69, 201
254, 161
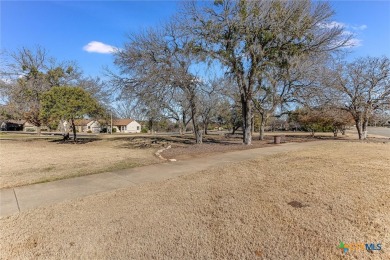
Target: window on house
137, 127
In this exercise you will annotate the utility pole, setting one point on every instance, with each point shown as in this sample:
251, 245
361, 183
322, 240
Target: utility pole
111, 123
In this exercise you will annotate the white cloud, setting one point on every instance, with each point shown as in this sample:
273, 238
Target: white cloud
348, 31
354, 42
99, 47
334, 24
11, 78
360, 28
6, 80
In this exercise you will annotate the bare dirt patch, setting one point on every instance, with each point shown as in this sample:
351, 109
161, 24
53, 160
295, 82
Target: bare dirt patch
226, 143
33, 160
288, 206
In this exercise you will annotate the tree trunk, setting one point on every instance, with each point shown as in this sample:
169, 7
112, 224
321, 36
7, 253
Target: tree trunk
343, 130
74, 130
235, 128
64, 129
197, 131
38, 130
365, 131
359, 128
335, 131
184, 123
247, 120
206, 124
180, 128
151, 125
194, 115
253, 124
262, 126
198, 134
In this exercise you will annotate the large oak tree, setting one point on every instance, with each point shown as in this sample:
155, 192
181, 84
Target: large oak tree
247, 37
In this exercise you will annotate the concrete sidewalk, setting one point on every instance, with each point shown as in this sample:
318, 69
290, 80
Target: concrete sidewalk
19, 199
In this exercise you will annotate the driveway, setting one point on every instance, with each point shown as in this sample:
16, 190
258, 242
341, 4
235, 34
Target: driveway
384, 131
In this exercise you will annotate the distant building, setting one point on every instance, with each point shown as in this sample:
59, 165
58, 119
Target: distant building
126, 125
19, 125
87, 125
12, 125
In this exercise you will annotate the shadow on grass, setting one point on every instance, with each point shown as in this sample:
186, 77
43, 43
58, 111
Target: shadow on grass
78, 141
163, 141
144, 142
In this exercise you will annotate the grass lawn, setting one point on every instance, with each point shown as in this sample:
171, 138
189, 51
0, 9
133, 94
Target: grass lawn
28, 159
287, 206
32, 160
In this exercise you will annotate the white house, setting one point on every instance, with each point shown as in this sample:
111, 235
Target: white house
85, 125
126, 125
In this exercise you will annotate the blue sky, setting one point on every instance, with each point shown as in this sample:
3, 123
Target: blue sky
84, 30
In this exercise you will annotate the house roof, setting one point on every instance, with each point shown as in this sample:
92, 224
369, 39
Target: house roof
26, 123
17, 122
81, 122
120, 122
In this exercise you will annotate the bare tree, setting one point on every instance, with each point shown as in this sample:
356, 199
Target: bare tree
248, 36
154, 106
281, 86
381, 117
97, 87
158, 61
126, 109
209, 100
31, 72
177, 107
232, 105
360, 87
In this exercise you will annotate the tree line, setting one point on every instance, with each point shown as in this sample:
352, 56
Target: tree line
43, 91
270, 56
227, 62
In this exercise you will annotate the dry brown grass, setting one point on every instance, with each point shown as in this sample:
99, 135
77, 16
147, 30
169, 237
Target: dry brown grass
241, 211
33, 161
28, 159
